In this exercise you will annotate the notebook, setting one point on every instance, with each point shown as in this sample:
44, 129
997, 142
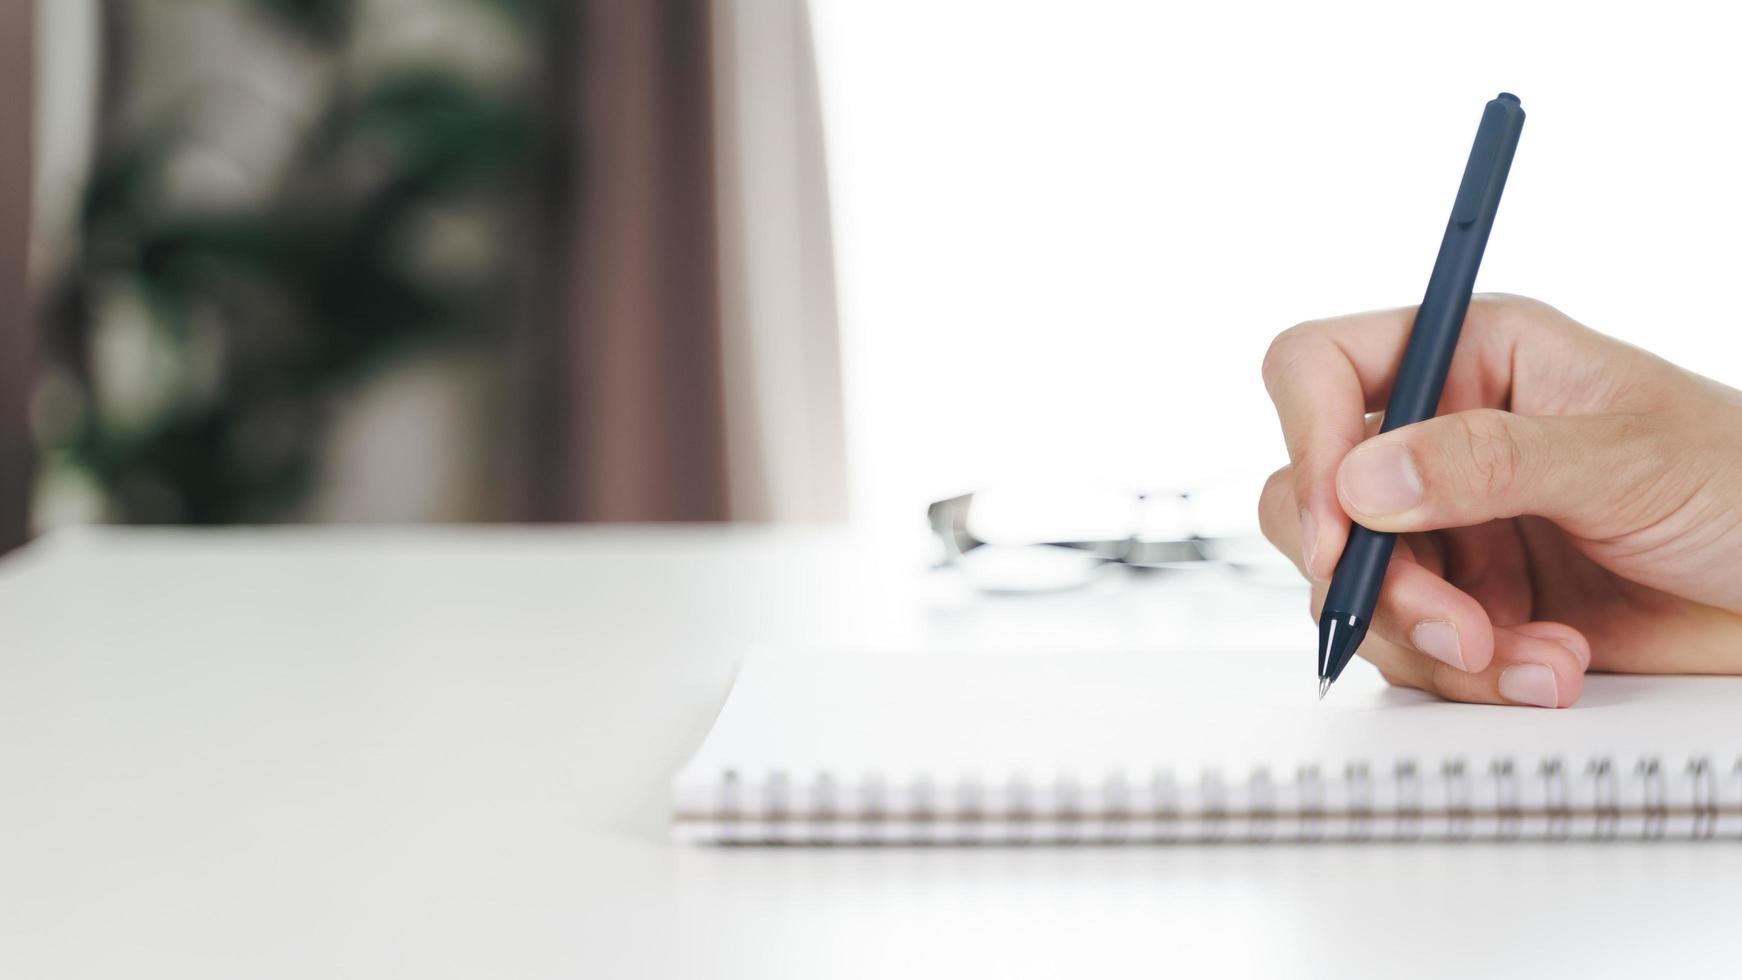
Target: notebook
1146, 747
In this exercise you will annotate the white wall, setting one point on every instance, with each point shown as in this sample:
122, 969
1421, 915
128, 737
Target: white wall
1066, 231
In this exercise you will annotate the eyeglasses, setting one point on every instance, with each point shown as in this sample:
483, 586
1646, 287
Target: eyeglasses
1026, 541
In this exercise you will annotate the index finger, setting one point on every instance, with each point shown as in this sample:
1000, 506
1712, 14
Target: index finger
1324, 376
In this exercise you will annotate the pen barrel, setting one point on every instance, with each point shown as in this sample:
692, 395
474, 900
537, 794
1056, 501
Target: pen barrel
1421, 375
1360, 572
1427, 358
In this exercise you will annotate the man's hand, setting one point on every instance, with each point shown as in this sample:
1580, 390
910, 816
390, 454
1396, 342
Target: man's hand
1576, 504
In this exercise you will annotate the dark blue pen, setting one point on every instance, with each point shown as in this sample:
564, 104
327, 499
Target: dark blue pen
1421, 375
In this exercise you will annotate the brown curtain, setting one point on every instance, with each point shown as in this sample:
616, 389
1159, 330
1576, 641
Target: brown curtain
626, 382
17, 36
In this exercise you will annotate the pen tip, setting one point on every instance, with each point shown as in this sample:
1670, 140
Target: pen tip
1324, 687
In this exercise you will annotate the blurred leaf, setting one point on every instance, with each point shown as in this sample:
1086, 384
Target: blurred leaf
445, 133
522, 10
309, 290
120, 186
322, 20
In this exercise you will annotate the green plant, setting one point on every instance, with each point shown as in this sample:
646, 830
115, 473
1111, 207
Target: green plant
248, 319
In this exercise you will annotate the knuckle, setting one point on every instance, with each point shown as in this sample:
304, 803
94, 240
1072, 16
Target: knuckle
1493, 310
1642, 442
1501, 302
1273, 503
1508, 305
1285, 349
1278, 484
1508, 313
1451, 683
1652, 476
1486, 448
1395, 664
1637, 452
1399, 673
1493, 302
1277, 490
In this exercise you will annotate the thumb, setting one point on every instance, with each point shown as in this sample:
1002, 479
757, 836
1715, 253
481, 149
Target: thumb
1472, 467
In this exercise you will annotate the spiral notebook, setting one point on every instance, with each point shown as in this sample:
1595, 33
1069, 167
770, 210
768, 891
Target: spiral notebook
957, 748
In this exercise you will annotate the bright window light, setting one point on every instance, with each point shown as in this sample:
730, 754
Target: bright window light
1066, 232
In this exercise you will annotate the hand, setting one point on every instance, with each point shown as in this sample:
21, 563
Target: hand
1576, 504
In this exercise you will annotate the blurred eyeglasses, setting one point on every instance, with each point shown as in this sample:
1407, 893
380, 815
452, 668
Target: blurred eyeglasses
1031, 540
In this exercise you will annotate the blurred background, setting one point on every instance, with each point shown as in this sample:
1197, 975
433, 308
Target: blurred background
697, 260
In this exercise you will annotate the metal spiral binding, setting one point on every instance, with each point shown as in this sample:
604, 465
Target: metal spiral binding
923, 804
730, 804
825, 805
1018, 808
1459, 812
1117, 808
872, 809
1556, 799
776, 807
1705, 799
970, 809
1656, 799
1507, 798
1068, 809
1509, 812
1261, 803
1360, 785
1310, 792
1409, 811
1164, 797
1214, 809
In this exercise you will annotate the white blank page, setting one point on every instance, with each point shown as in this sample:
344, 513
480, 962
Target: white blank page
952, 714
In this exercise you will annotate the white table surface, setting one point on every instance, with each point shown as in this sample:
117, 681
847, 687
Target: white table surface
433, 754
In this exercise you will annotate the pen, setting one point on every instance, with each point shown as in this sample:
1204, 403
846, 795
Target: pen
1354, 591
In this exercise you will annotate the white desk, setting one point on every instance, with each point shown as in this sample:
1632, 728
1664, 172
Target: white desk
438, 754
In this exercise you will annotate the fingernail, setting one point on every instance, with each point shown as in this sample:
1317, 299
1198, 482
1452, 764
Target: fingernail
1381, 480
1439, 640
1309, 539
1529, 684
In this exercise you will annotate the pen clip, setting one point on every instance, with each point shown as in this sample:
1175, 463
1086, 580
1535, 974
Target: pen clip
1496, 138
